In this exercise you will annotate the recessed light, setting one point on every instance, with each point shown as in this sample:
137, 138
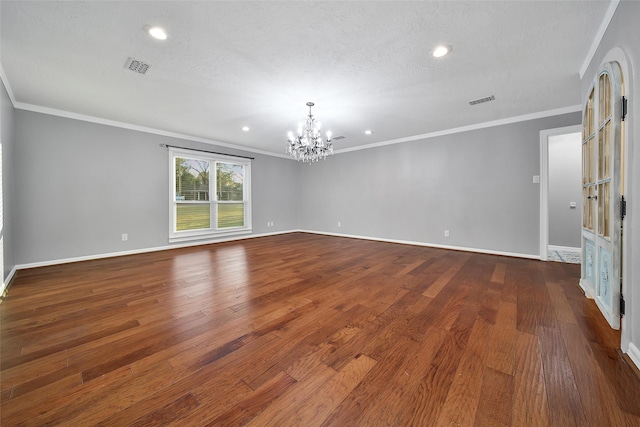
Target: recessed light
157, 33
441, 51
245, 128
368, 132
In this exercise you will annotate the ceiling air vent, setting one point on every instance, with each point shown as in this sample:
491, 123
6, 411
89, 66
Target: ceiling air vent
481, 100
137, 66
337, 138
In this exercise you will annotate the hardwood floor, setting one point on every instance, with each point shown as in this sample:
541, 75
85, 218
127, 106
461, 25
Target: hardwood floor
307, 330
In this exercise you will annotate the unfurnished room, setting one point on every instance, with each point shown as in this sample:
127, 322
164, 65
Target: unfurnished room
320, 213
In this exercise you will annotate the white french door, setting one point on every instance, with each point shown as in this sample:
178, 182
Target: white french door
602, 165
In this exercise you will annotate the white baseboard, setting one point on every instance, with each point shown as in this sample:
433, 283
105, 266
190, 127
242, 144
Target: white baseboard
6, 281
208, 242
144, 250
565, 249
429, 245
634, 354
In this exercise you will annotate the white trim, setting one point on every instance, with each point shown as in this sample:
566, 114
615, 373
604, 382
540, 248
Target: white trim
213, 202
123, 125
564, 249
230, 239
634, 354
501, 122
143, 251
429, 245
7, 86
589, 292
544, 183
6, 281
606, 20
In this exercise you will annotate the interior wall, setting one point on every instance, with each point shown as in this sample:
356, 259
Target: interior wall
478, 185
82, 185
565, 175
7, 135
623, 33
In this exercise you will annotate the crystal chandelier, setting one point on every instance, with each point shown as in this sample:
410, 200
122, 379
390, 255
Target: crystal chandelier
308, 145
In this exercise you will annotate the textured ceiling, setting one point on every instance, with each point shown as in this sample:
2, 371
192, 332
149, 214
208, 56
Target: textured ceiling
366, 65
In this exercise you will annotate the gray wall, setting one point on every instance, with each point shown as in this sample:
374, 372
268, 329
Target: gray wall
7, 126
565, 177
476, 184
84, 184
624, 32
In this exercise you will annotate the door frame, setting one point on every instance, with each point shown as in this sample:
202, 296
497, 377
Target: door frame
544, 183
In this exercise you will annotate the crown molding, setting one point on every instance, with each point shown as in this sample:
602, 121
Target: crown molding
129, 126
7, 86
606, 20
501, 122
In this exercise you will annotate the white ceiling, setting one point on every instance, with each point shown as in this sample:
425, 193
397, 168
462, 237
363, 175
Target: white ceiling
366, 65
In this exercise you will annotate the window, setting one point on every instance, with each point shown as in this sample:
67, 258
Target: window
210, 195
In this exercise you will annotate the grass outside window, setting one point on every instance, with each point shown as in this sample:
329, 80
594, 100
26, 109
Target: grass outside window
197, 216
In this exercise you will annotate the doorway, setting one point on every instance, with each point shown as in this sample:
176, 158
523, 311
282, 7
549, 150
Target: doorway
560, 194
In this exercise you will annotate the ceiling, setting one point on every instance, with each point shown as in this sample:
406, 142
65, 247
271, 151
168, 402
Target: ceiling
229, 64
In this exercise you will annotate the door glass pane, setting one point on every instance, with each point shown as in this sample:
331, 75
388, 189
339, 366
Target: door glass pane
604, 215
590, 208
230, 215
605, 97
585, 163
592, 160
192, 216
589, 114
604, 155
585, 208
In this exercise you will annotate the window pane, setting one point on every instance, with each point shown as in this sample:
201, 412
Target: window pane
229, 181
192, 179
192, 216
230, 215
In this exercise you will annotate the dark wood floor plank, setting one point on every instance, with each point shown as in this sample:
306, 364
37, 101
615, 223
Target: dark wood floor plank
305, 329
559, 380
530, 405
494, 407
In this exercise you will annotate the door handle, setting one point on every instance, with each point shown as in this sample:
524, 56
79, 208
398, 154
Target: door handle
593, 197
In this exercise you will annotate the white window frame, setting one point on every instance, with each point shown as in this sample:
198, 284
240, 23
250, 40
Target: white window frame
212, 232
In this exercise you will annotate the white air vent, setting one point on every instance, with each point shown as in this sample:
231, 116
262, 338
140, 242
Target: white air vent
137, 66
337, 138
481, 100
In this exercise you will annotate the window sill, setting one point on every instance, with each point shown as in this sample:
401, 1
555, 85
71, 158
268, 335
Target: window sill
177, 237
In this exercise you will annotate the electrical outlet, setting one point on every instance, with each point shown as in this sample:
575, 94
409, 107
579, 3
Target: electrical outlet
125, 237
446, 233
339, 224
536, 179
